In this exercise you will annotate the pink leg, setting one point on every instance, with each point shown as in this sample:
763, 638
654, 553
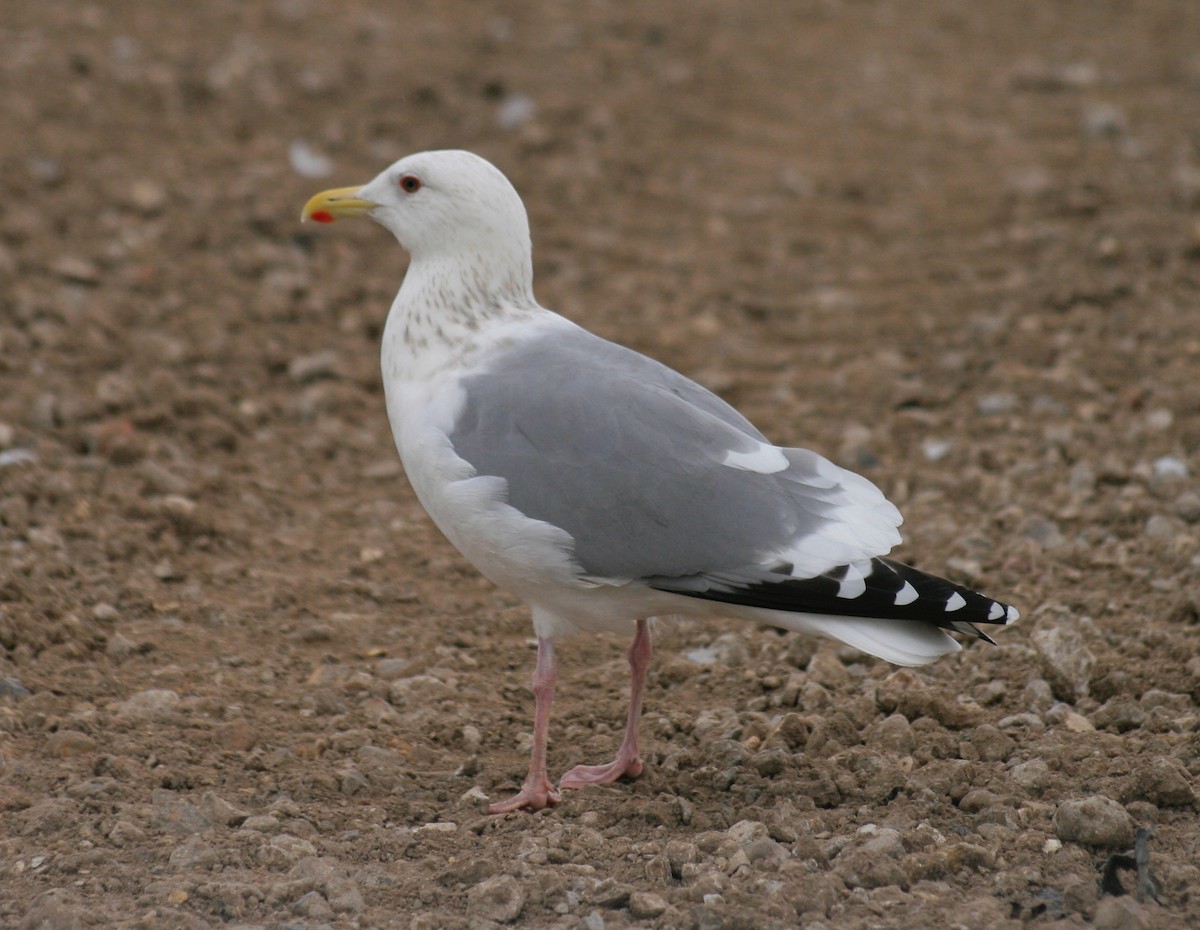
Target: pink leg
538, 791
628, 763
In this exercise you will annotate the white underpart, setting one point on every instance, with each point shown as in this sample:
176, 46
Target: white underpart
530, 558
906, 595
955, 602
526, 556
765, 460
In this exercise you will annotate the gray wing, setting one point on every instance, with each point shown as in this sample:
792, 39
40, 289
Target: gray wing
651, 474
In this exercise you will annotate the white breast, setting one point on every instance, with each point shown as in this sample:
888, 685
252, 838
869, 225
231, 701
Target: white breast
530, 558
523, 555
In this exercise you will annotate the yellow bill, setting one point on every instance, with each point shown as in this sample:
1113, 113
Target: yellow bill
335, 204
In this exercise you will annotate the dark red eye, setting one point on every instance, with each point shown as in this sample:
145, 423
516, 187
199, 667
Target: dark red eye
409, 183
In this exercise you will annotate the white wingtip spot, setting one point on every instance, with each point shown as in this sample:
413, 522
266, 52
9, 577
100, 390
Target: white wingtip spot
906, 595
996, 611
765, 460
955, 602
1012, 616
854, 584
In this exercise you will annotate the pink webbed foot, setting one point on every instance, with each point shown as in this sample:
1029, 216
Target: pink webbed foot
620, 767
535, 795
538, 792
628, 763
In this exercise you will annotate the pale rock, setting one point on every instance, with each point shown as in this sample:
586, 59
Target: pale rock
500, 898
284, 851
193, 853
644, 905
1122, 913
893, 734
66, 744
1066, 658
1095, 821
418, 691
152, 704
261, 823
729, 649
1033, 775
1162, 781
827, 670
217, 810
314, 906
306, 368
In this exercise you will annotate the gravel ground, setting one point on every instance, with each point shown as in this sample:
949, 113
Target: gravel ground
243, 681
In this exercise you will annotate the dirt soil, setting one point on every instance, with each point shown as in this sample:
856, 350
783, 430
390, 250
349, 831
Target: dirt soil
244, 682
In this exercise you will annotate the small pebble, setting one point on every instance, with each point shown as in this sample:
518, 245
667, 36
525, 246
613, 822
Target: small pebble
193, 853
978, 799
1187, 506
1122, 913
936, 449
146, 196
515, 111
992, 404
893, 734
1104, 120
165, 571
216, 810
313, 905
1119, 714
75, 269
57, 909
152, 704
66, 744
1170, 466
10, 457
12, 688
1096, 821
1162, 781
730, 650
306, 368
1033, 775
1162, 527
307, 162
236, 735
500, 898
472, 738
644, 905
1067, 660
827, 670
261, 823
1045, 533
124, 833
991, 744
45, 170
284, 851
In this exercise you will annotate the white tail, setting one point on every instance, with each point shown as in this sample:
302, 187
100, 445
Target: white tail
899, 642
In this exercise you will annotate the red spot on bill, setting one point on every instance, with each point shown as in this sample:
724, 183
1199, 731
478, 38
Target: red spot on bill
321, 216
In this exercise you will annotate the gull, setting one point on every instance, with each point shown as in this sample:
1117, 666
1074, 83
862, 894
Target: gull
601, 487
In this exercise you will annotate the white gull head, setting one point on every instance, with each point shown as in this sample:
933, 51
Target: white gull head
466, 230
449, 204
459, 218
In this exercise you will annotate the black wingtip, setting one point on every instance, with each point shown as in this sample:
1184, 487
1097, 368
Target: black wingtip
875, 589
970, 629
